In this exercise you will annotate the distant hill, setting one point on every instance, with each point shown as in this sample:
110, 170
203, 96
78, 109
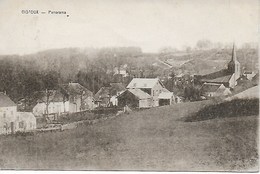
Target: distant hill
203, 62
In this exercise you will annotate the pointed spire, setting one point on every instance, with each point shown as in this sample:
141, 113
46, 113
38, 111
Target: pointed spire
234, 55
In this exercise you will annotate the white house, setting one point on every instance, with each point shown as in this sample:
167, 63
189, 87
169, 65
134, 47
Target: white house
57, 104
8, 115
12, 121
26, 121
152, 86
122, 70
80, 98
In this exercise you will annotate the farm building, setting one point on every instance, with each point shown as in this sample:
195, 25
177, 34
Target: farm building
152, 86
108, 95
57, 103
80, 98
26, 121
166, 98
135, 98
214, 90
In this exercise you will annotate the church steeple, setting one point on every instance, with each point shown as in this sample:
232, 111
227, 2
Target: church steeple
234, 65
234, 54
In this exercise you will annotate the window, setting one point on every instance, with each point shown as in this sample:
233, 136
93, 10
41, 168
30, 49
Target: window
21, 125
4, 114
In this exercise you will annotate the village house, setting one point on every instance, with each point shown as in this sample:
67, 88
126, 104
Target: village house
228, 77
12, 121
8, 115
107, 95
209, 90
122, 70
57, 103
152, 86
80, 98
249, 74
26, 121
135, 98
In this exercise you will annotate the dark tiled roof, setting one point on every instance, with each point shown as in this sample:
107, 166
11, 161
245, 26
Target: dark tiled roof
216, 74
223, 79
113, 89
5, 101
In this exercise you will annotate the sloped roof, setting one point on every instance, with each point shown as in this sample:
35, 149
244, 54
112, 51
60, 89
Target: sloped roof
143, 83
5, 101
116, 87
210, 87
103, 92
140, 94
165, 95
75, 89
216, 74
223, 79
111, 90
222, 90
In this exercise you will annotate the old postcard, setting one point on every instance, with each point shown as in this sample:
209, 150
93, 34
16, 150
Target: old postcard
133, 85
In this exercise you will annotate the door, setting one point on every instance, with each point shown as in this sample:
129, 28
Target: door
12, 127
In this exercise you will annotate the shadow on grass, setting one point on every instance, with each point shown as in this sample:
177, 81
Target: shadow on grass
234, 108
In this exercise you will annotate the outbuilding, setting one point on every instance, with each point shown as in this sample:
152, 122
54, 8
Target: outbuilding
166, 98
135, 98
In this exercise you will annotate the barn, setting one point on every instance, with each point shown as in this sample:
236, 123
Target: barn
135, 98
151, 86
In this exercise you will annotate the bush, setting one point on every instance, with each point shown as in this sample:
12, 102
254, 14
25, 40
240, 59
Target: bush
234, 108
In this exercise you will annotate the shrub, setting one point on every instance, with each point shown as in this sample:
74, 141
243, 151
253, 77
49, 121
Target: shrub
234, 108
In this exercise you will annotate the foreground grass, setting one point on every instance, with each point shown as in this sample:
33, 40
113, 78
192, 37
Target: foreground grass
155, 139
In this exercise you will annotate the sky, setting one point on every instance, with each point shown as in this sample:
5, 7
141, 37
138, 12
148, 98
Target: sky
149, 24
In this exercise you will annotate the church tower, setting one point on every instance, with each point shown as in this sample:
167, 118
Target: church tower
234, 65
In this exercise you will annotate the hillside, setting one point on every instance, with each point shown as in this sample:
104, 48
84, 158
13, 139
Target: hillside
154, 139
207, 61
252, 92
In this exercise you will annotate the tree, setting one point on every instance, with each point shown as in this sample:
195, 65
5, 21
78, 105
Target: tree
191, 92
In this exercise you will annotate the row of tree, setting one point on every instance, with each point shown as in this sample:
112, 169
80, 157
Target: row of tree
206, 44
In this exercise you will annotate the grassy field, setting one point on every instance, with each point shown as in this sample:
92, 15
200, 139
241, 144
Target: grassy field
154, 139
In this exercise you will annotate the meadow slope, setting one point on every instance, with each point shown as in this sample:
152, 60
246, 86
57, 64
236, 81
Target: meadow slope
154, 139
